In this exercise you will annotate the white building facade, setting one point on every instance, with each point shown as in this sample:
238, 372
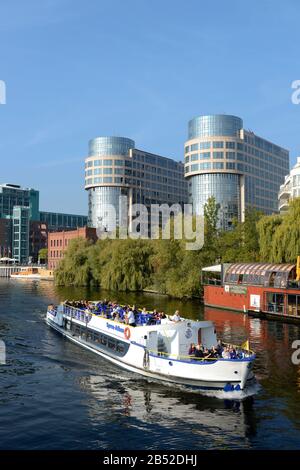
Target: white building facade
290, 189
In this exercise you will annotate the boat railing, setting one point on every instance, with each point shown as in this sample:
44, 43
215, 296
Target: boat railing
77, 314
245, 355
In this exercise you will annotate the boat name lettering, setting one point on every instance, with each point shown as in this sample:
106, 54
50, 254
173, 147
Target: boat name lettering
115, 327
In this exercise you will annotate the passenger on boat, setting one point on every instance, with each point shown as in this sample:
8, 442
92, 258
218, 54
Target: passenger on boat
199, 352
135, 311
226, 353
192, 349
176, 316
211, 354
219, 347
130, 318
232, 353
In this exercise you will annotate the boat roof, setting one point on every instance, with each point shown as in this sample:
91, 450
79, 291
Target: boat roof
259, 268
217, 268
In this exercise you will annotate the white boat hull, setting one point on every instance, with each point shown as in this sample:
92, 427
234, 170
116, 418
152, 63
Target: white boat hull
218, 374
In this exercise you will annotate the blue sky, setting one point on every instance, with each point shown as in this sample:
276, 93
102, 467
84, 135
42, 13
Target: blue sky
137, 68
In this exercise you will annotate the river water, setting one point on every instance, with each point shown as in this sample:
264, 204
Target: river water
55, 395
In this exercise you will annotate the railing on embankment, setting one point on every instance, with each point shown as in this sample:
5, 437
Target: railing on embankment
6, 271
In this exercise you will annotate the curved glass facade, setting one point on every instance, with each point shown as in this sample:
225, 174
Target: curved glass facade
214, 125
110, 146
224, 187
101, 201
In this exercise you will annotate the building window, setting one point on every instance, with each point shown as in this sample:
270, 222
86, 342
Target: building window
218, 166
218, 155
218, 145
230, 166
205, 155
194, 147
230, 155
230, 145
204, 145
205, 166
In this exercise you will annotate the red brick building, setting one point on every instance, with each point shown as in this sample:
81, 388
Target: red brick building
58, 242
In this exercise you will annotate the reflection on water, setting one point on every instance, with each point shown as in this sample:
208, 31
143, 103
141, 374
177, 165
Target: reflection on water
53, 394
212, 422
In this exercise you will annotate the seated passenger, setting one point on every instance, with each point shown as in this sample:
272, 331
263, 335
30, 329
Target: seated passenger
176, 316
144, 311
206, 353
192, 349
232, 353
226, 353
198, 351
213, 353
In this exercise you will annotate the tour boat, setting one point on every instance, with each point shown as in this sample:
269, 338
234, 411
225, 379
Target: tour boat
156, 351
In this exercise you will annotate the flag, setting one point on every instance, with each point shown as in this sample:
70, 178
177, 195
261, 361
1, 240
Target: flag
245, 345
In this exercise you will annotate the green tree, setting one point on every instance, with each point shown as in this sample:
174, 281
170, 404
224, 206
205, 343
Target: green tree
74, 268
286, 239
43, 255
267, 227
210, 250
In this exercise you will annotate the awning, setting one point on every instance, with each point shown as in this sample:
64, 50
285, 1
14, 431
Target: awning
217, 268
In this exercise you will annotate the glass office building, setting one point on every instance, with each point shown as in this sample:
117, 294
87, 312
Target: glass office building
235, 166
12, 198
13, 195
114, 168
20, 233
60, 221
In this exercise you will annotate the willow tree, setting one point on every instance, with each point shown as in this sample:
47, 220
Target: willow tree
286, 239
123, 264
210, 250
74, 268
267, 226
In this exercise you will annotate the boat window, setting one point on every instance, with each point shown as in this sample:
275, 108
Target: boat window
120, 347
111, 344
96, 337
293, 305
275, 302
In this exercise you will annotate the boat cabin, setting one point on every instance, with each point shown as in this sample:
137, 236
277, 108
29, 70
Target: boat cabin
175, 339
261, 287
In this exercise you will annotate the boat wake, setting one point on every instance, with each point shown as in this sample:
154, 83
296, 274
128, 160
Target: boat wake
238, 395
234, 394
